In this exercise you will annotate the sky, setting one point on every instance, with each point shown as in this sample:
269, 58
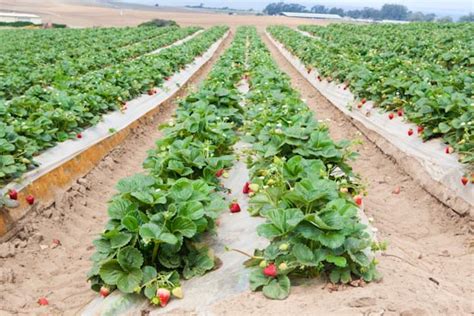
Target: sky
439, 7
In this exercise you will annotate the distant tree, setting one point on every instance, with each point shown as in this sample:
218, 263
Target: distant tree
277, 8
416, 16
355, 14
319, 9
430, 17
446, 19
370, 13
337, 11
394, 12
467, 18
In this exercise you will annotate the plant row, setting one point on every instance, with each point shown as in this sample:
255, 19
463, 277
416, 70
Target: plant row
159, 220
302, 184
22, 72
422, 72
35, 122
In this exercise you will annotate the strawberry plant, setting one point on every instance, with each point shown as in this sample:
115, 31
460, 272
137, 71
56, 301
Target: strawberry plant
159, 220
303, 187
422, 71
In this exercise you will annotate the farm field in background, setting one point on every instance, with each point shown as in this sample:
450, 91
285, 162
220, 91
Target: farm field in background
67, 95
421, 71
346, 228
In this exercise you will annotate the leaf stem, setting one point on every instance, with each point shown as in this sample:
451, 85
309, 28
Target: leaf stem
155, 251
244, 253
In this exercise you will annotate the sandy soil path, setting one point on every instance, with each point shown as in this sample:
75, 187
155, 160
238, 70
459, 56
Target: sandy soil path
428, 267
76, 217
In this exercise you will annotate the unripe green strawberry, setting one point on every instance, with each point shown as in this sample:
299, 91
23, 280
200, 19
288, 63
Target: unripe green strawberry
177, 292
263, 264
283, 247
254, 187
282, 266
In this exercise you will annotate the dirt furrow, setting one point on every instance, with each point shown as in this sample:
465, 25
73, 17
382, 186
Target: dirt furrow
32, 267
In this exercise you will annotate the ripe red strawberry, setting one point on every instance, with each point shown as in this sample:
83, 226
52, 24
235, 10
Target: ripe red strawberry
449, 150
400, 112
246, 188
364, 100
163, 295
358, 200
410, 132
43, 301
219, 172
359, 105
79, 135
464, 180
270, 270
309, 70
234, 207
104, 291
13, 194
30, 199
391, 116
319, 78
151, 92
420, 129
167, 78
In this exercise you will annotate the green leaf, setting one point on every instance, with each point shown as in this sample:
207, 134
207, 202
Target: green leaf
184, 226
149, 273
150, 231
120, 240
182, 190
130, 258
258, 279
130, 223
277, 289
332, 239
119, 208
335, 276
128, 281
269, 231
111, 272
135, 183
197, 263
337, 260
303, 254
143, 196
150, 290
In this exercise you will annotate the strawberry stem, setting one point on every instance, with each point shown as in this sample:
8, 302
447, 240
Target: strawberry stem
244, 253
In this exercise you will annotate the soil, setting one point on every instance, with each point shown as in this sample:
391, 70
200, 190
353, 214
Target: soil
427, 269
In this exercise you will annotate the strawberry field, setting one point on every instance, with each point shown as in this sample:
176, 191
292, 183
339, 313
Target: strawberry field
63, 97
236, 185
423, 72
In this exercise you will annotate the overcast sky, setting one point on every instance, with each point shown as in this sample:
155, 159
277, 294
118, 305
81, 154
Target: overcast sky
440, 7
